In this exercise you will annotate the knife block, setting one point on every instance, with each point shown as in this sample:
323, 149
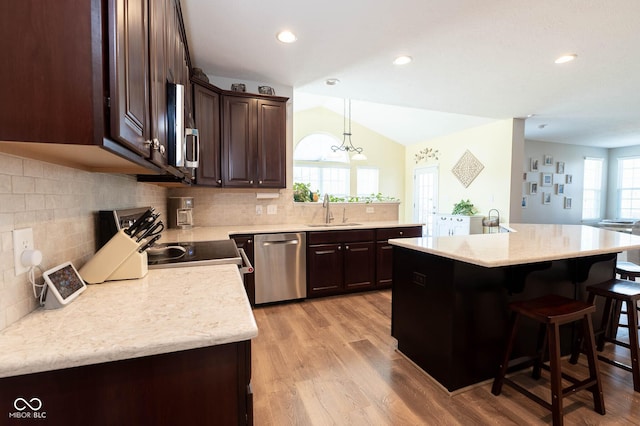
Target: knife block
136, 266
109, 258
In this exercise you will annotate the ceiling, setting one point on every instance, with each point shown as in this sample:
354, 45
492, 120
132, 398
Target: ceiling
474, 62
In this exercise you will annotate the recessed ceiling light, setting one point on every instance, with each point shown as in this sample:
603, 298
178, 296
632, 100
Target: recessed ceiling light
402, 60
331, 81
286, 36
566, 58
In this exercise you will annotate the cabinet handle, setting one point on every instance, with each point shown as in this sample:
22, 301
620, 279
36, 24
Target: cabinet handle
219, 181
346, 247
162, 149
153, 144
339, 247
251, 182
259, 182
249, 241
195, 146
401, 233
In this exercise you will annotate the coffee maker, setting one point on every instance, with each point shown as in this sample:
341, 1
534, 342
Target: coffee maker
180, 212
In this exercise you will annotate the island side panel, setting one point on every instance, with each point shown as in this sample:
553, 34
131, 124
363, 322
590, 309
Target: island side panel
423, 309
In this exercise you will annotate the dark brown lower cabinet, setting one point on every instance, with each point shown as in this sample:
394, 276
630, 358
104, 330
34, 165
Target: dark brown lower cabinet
384, 251
201, 386
340, 261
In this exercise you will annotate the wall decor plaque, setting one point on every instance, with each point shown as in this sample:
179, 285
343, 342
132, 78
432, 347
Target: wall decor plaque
467, 168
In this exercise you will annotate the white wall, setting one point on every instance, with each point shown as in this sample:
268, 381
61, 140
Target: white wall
573, 157
493, 145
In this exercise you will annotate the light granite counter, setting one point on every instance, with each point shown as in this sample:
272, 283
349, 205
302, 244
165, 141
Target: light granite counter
209, 233
168, 310
529, 243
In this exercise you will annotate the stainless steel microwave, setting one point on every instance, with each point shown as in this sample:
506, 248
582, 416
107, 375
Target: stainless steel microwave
183, 144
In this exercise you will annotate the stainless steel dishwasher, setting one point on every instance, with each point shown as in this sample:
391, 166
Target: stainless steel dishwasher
280, 264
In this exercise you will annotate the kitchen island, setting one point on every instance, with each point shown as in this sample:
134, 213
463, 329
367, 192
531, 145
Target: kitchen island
173, 347
450, 294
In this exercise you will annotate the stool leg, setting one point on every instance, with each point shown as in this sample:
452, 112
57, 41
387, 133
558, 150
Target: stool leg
594, 369
632, 319
577, 344
502, 371
606, 318
614, 323
553, 333
541, 347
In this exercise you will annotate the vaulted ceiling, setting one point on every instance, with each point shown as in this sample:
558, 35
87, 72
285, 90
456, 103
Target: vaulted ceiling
473, 61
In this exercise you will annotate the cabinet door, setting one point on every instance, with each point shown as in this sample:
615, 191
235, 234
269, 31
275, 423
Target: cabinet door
129, 49
158, 80
384, 264
239, 141
443, 226
460, 226
384, 251
324, 269
271, 144
207, 115
359, 265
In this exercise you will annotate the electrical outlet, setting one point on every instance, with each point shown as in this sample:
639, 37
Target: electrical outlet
22, 240
272, 209
258, 210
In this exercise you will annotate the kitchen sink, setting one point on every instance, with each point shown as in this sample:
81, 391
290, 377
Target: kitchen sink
327, 225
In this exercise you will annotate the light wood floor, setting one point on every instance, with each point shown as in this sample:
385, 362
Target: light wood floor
332, 361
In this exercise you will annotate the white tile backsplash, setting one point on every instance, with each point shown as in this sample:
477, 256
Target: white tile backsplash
59, 203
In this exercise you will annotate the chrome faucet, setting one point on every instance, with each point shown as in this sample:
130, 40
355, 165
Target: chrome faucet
325, 204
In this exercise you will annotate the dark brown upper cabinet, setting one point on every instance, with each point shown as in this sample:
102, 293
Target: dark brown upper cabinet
253, 141
91, 94
207, 116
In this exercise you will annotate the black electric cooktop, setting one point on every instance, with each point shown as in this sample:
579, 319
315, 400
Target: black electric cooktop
172, 255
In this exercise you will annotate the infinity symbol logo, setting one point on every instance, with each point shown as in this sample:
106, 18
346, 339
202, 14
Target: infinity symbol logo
21, 404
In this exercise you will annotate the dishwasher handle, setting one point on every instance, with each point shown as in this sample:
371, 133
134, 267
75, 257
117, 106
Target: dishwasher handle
248, 267
280, 242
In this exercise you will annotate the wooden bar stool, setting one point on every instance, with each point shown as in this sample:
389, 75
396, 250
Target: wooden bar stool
627, 270
615, 292
551, 312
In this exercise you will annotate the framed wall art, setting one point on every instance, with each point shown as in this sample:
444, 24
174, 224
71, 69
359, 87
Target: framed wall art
560, 167
548, 160
547, 179
567, 202
533, 188
546, 198
568, 179
534, 165
560, 188
524, 201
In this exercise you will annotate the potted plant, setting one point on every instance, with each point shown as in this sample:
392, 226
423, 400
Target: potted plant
302, 193
464, 208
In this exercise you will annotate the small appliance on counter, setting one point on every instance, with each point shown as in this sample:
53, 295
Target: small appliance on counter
180, 212
124, 256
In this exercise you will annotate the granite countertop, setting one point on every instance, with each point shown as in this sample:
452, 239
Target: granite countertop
209, 233
166, 311
528, 243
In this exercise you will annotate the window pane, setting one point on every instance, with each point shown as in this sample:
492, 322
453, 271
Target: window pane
629, 188
592, 191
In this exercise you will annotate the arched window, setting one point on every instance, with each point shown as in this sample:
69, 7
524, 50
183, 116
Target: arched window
315, 163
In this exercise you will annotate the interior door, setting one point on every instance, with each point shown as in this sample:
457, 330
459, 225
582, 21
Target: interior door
425, 197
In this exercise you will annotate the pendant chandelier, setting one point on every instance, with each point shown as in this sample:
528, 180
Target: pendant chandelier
348, 147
